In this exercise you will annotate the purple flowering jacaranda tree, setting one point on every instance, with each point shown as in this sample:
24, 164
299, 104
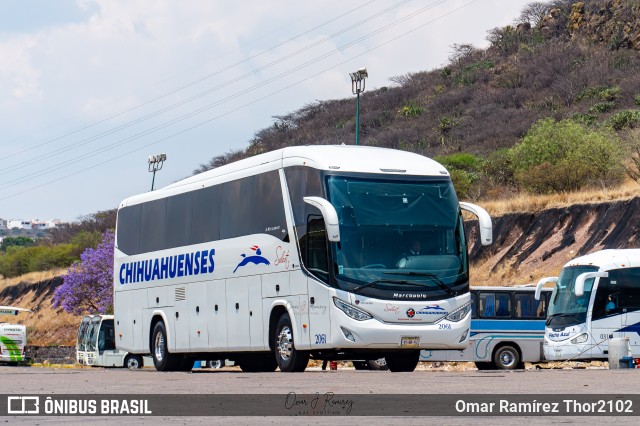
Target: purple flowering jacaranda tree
88, 284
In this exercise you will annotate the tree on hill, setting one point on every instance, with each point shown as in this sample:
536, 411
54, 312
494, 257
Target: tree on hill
88, 284
16, 242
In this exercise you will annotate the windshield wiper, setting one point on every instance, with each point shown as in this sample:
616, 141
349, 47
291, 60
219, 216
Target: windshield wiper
562, 315
374, 282
434, 277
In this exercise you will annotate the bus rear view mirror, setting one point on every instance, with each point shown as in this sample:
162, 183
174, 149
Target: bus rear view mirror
541, 283
329, 214
579, 288
484, 221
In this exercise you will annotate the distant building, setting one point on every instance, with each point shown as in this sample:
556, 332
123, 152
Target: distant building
3, 223
18, 224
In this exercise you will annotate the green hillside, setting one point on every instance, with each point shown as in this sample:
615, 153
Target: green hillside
562, 61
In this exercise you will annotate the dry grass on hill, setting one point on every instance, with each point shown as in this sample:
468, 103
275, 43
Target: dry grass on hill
46, 326
533, 203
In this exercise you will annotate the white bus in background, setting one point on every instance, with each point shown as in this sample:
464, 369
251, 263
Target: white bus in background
595, 298
96, 345
13, 337
507, 329
296, 253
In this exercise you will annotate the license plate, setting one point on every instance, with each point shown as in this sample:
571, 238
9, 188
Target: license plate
410, 342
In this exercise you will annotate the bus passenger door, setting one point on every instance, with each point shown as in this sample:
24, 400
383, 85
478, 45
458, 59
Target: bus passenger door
239, 337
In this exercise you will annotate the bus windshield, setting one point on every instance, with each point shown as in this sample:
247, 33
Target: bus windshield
92, 334
565, 308
399, 236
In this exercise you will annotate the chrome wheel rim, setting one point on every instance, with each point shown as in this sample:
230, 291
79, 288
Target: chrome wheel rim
159, 347
285, 343
132, 363
507, 358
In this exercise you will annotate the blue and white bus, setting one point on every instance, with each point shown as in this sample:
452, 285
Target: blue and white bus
296, 253
507, 329
595, 298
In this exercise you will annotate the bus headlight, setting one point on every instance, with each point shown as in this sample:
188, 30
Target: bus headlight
351, 311
459, 313
580, 339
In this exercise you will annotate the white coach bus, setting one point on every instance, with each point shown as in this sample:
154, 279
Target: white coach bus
507, 329
297, 253
96, 345
595, 298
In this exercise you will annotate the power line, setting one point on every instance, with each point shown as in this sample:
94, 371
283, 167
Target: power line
193, 83
238, 108
47, 156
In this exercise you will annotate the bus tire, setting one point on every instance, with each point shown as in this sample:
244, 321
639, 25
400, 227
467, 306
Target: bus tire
162, 359
506, 357
379, 364
288, 358
216, 363
133, 362
405, 361
186, 363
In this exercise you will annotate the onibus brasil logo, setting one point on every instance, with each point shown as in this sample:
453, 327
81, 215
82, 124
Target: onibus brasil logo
255, 259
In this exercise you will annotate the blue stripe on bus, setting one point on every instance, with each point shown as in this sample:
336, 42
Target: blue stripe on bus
506, 325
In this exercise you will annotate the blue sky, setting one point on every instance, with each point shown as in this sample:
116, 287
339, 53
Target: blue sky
90, 88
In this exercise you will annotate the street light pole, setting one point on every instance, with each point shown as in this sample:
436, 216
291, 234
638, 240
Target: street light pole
358, 86
155, 164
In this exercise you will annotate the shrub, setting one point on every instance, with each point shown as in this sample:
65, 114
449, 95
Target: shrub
585, 119
602, 107
412, 109
463, 169
498, 168
561, 156
20, 260
600, 92
624, 119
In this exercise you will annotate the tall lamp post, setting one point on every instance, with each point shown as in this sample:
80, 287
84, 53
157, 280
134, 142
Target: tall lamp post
357, 86
155, 164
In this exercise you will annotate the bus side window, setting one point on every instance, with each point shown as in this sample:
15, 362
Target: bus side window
503, 309
487, 304
315, 248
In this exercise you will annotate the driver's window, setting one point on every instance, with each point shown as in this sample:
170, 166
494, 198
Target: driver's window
315, 248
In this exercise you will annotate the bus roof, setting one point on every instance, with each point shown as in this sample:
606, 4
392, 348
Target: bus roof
12, 310
609, 259
343, 158
520, 288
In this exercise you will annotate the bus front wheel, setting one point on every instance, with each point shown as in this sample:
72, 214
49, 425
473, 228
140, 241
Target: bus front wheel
289, 359
405, 361
162, 359
133, 362
507, 358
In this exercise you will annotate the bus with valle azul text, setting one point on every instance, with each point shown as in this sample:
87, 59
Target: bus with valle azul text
13, 337
507, 329
595, 298
296, 253
96, 345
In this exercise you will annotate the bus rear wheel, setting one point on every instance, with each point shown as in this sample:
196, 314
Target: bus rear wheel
405, 361
162, 359
133, 362
507, 358
289, 359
